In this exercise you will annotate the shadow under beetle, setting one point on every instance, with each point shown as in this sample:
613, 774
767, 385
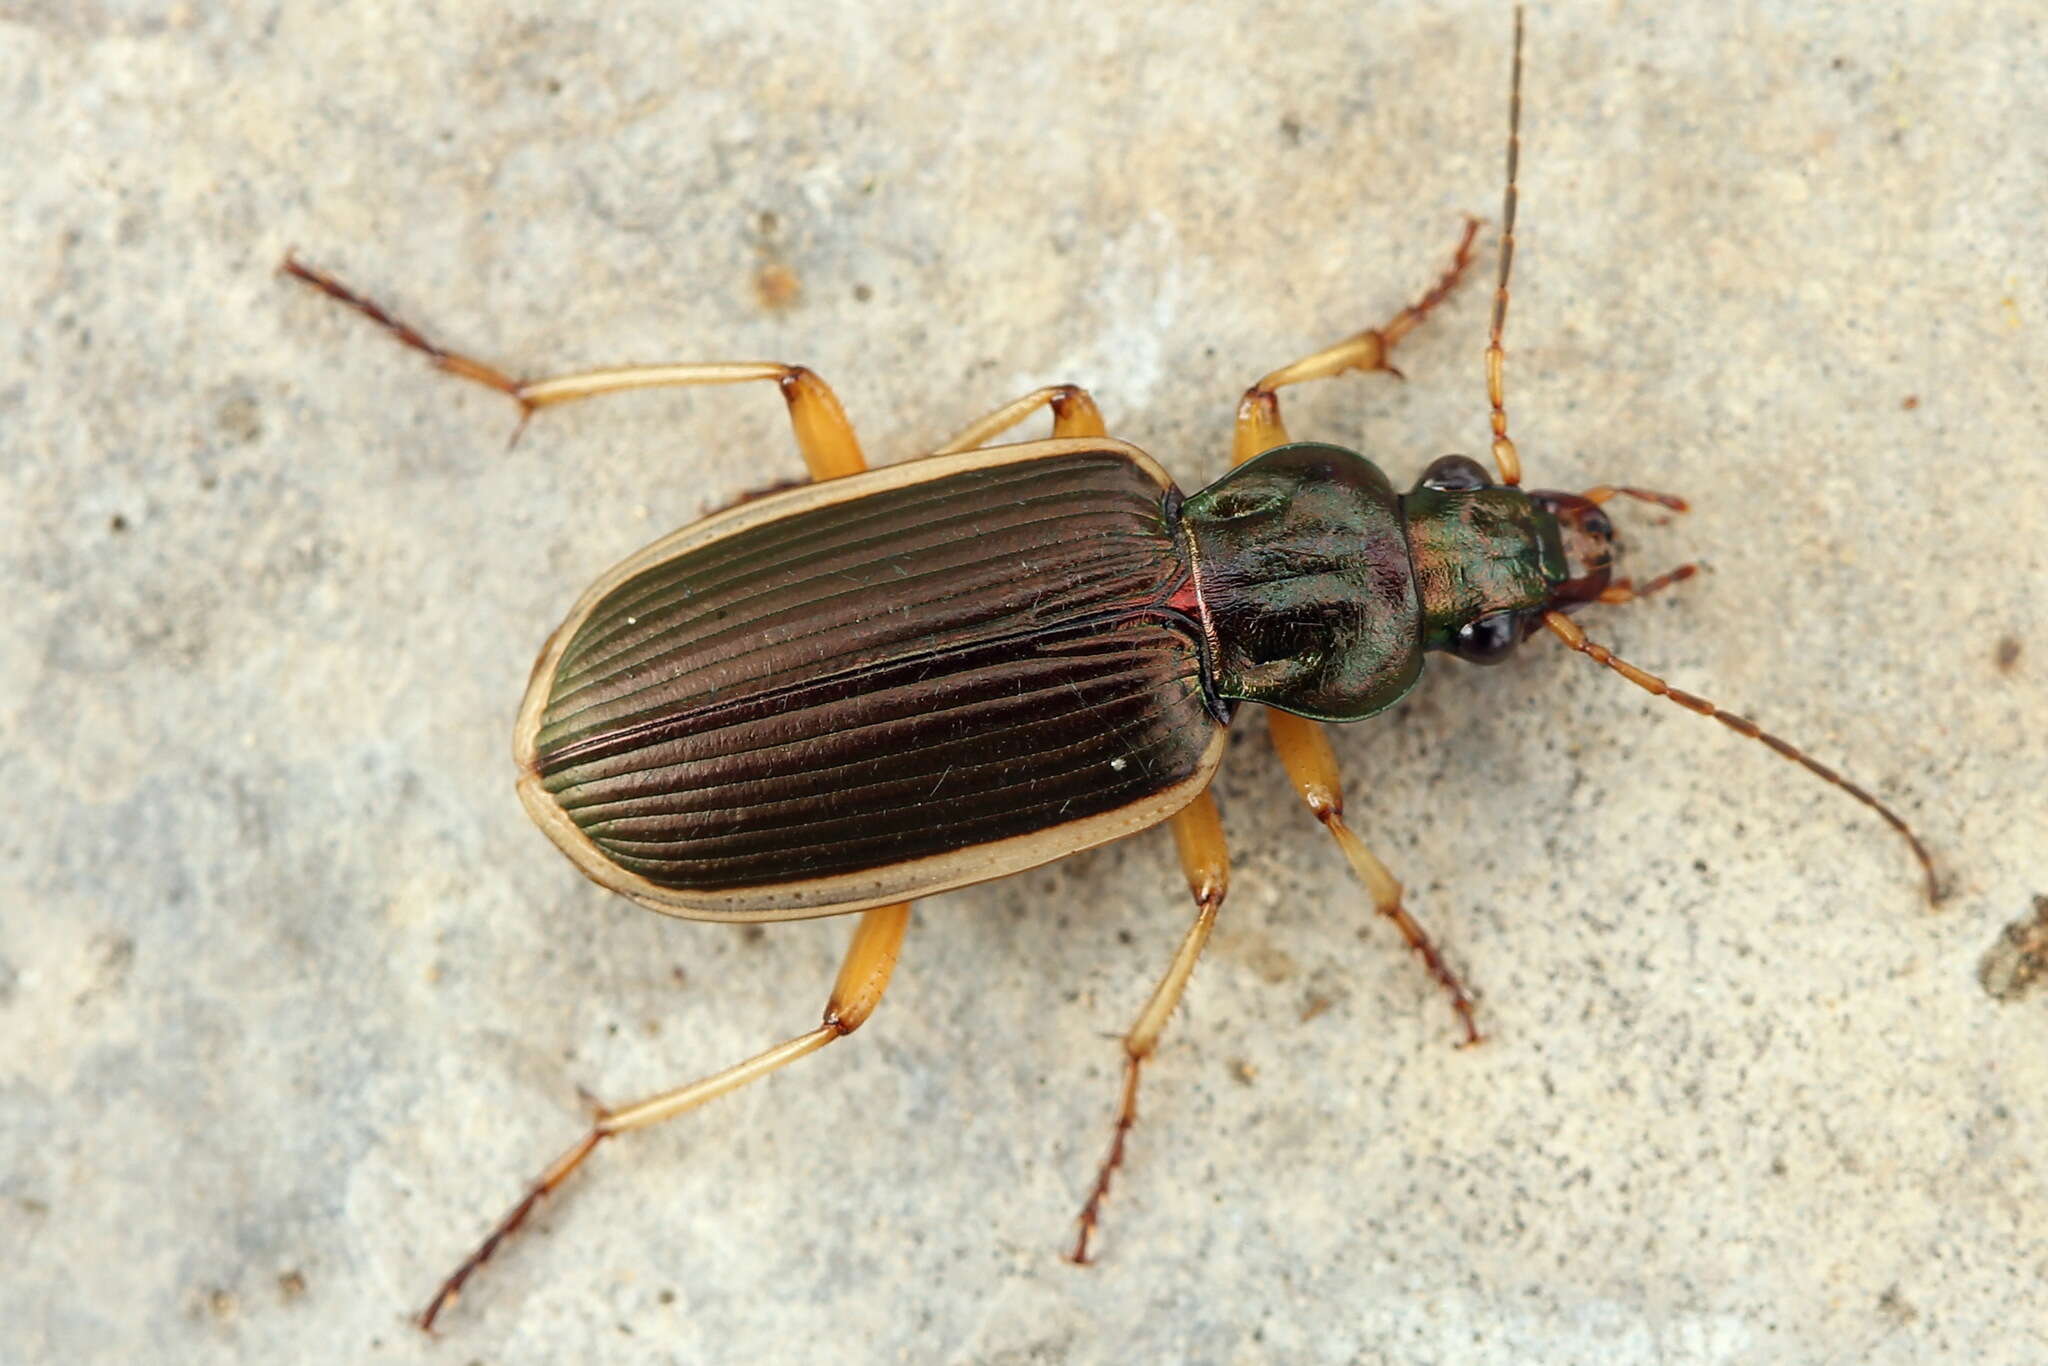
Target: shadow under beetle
888, 683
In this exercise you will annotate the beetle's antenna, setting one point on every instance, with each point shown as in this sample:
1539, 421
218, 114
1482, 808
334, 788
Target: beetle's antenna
1563, 628
1504, 457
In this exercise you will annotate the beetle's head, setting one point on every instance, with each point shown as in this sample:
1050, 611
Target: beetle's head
1490, 559
1588, 540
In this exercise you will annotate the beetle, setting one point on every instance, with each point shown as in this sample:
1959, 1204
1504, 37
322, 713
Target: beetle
838, 697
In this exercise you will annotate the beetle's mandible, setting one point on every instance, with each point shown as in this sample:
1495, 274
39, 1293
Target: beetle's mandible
888, 683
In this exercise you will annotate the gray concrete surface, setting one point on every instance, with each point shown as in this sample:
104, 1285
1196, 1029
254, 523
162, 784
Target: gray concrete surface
292, 999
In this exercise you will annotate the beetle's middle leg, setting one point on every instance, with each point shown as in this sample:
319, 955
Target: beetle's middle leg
1198, 834
1258, 412
1073, 414
863, 977
826, 438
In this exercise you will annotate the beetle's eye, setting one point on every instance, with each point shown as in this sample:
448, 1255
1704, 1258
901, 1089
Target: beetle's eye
1454, 474
1487, 640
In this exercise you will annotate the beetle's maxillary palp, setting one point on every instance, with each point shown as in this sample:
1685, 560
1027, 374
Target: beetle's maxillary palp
1603, 493
1625, 590
1564, 629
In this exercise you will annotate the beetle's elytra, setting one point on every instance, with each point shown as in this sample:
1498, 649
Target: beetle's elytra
754, 718
888, 683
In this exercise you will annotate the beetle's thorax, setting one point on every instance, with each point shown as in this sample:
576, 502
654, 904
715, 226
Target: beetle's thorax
1320, 587
1305, 581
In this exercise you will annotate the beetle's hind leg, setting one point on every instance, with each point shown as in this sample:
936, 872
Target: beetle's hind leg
1258, 412
830, 449
1198, 834
826, 438
863, 977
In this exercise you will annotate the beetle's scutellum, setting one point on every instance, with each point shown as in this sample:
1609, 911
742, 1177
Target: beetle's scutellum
892, 682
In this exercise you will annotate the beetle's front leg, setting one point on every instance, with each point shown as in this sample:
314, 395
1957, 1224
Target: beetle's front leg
1258, 413
863, 977
1312, 766
1198, 833
824, 435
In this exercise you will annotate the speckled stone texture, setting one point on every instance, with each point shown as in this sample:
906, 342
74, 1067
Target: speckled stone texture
293, 999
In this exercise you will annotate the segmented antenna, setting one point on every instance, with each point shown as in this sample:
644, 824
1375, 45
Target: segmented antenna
1565, 630
1504, 456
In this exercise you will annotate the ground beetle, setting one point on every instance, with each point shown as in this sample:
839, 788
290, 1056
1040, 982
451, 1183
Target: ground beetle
887, 683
